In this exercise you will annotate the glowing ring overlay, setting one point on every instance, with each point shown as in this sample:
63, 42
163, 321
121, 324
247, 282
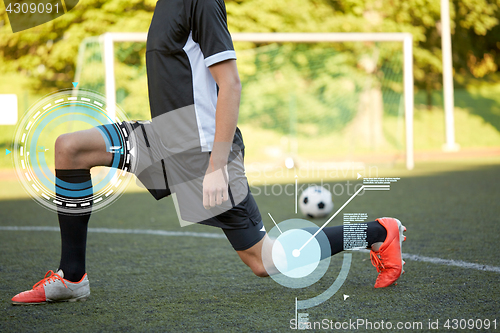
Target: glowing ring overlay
301, 263
290, 232
299, 270
69, 107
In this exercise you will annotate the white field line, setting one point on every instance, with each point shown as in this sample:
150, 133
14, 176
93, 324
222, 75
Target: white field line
446, 262
407, 256
124, 231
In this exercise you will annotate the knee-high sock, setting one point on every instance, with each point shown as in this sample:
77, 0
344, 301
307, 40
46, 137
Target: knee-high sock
73, 225
375, 232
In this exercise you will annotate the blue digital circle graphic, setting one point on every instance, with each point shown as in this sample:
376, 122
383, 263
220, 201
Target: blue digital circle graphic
300, 256
59, 113
298, 264
300, 253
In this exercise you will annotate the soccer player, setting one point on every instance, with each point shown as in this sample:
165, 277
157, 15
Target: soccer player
191, 147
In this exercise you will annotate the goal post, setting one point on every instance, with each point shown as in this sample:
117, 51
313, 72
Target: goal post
107, 41
405, 38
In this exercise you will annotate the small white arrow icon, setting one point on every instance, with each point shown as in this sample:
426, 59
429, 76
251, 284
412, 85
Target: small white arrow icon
345, 296
359, 176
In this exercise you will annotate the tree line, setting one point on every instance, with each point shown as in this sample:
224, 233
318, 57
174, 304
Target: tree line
48, 52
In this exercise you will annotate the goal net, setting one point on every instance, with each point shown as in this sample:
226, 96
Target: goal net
309, 101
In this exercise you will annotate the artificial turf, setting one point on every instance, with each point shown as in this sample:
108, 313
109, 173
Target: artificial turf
154, 283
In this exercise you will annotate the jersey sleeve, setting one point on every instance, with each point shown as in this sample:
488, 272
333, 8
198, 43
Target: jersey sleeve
210, 31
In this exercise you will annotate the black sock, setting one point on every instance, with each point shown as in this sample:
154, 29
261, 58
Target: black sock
73, 225
375, 232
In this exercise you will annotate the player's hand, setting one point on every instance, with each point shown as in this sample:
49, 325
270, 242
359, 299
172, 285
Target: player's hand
215, 187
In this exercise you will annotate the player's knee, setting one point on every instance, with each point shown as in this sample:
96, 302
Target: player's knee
63, 145
66, 146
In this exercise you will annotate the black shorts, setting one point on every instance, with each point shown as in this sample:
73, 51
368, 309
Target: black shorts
180, 173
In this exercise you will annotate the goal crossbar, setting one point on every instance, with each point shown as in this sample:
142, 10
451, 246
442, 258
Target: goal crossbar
108, 40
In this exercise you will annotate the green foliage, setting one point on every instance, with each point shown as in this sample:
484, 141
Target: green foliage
130, 75
474, 23
48, 52
320, 82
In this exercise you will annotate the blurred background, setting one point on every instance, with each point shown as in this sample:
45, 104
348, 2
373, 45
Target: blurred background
322, 102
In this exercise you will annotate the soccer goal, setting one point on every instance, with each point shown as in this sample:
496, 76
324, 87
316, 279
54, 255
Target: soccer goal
306, 96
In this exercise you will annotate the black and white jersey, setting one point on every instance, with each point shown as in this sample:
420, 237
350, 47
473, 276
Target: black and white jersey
184, 39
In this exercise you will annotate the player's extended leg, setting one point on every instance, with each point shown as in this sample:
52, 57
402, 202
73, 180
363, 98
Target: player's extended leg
384, 238
75, 154
252, 257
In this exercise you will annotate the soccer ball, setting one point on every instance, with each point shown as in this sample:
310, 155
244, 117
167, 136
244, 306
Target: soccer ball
316, 201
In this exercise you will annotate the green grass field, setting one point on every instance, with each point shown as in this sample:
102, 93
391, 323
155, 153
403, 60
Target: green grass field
155, 283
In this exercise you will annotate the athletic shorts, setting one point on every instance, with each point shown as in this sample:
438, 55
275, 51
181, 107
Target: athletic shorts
179, 172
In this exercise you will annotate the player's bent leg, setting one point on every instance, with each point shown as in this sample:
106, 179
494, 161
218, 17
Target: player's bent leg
75, 154
81, 150
252, 257
249, 243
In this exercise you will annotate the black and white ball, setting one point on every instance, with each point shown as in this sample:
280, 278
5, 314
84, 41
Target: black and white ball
316, 201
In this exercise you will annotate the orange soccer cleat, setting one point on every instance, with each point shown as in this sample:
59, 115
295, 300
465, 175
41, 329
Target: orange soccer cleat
54, 288
388, 259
